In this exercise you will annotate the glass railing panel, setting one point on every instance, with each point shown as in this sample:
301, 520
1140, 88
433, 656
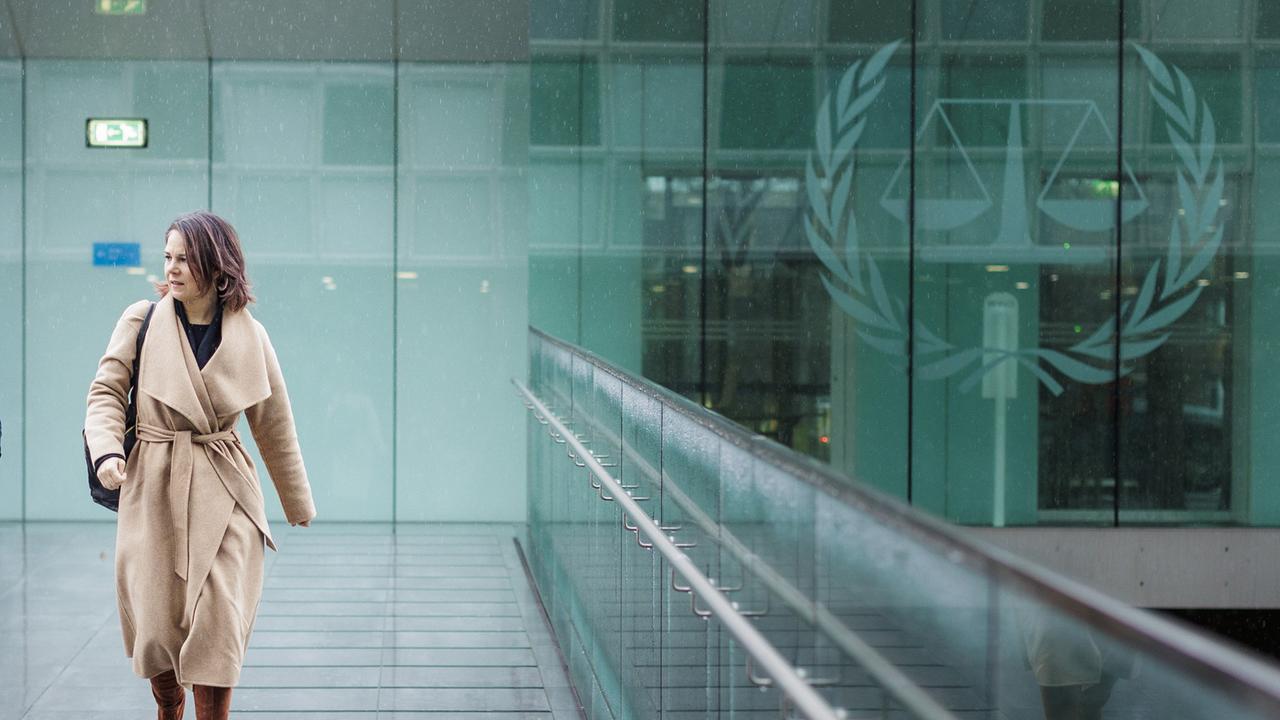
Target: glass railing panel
644, 586
766, 553
928, 616
600, 426
689, 651
887, 612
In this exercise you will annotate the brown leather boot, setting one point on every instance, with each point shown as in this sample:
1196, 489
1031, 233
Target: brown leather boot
212, 703
171, 700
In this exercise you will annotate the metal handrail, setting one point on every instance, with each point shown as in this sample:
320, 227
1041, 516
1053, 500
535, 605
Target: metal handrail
1188, 650
885, 673
796, 689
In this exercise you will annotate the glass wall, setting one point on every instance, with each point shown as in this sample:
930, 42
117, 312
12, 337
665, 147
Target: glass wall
11, 389
303, 158
382, 208
76, 198
1006, 260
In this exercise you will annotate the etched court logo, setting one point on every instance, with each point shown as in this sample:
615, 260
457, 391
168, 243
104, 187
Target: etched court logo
1169, 288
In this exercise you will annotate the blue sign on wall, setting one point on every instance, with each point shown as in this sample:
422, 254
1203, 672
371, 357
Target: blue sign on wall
117, 254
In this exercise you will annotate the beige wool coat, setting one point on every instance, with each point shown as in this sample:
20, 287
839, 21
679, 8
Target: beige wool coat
192, 522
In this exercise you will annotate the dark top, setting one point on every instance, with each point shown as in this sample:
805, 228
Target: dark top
204, 339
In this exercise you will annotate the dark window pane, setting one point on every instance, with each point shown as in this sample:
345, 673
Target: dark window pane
767, 106
870, 20
1217, 82
981, 78
658, 20
563, 19
984, 19
565, 103
766, 21
1268, 98
1268, 20
1080, 19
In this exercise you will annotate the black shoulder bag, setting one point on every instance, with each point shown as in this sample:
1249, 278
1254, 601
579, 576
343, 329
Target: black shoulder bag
110, 499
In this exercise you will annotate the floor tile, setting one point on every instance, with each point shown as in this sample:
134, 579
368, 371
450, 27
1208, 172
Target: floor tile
422, 621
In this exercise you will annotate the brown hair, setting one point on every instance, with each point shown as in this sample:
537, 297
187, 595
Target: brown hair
213, 253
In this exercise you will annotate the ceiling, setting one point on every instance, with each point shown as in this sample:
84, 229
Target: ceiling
352, 30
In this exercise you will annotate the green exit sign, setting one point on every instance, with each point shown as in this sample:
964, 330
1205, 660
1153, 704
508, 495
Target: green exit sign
116, 132
120, 7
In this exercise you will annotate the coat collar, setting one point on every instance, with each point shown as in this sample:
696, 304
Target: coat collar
235, 377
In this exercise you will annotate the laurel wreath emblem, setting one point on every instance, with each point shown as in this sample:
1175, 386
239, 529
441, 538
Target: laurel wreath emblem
857, 286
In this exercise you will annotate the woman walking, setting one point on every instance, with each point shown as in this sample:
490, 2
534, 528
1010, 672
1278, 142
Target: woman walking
189, 540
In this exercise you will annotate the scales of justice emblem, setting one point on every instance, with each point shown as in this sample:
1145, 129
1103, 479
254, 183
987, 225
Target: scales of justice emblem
1143, 323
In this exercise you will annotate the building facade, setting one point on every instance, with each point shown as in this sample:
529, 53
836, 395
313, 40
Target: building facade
1009, 260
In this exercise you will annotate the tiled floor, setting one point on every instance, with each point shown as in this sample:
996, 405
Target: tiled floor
431, 621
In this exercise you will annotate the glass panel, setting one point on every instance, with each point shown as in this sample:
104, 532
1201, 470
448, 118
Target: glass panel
859, 417
766, 106
887, 590
304, 171
564, 189
767, 519
461, 271
564, 19
1072, 20
658, 20
1267, 93
852, 590
872, 21
1178, 403
645, 585
564, 102
1014, 197
691, 458
1253, 397
75, 197
769, 22
1268, 23
984, 19
11, 284
1188, 19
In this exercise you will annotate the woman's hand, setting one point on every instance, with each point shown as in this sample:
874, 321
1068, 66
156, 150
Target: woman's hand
111, 474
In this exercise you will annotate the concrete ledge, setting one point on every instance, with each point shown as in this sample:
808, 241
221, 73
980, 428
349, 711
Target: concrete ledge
1158, 567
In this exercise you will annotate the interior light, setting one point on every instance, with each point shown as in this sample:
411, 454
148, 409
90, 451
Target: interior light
997, 268
407, 275
1105, 188
658, 288
1203, 282
1242, 275
690, 269
1022, 285
120, 7
137, 271
115, 132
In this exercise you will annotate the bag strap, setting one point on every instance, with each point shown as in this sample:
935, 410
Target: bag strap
137, 349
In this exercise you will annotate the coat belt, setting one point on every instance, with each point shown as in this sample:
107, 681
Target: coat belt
180, 470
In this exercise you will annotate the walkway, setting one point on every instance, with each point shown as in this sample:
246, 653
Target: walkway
433, 621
